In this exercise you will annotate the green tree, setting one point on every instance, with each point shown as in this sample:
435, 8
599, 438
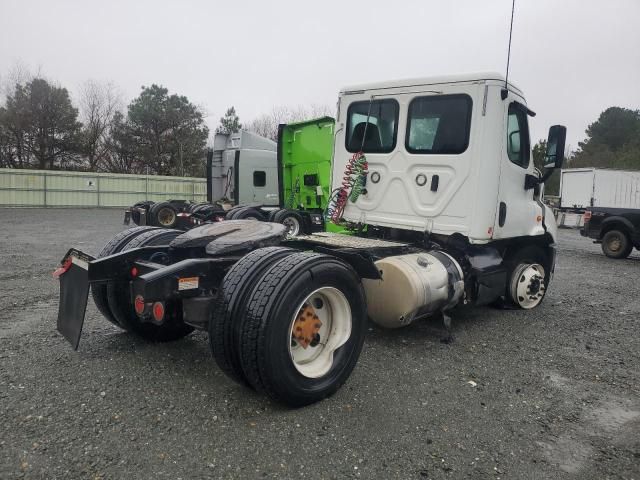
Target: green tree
165, 133
230, 123
39, 127
613, 141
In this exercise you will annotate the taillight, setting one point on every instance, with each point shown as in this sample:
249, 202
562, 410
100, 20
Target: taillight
158, 311
138, 304
587, 215
66, 265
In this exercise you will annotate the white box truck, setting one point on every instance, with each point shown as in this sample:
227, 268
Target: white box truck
581, 188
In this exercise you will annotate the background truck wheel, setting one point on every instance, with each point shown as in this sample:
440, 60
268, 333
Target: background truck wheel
230, 213
236, 287
527, 279
303, 329
249, 213
163, 215
292, 220
197, 206
616, 244
135, 214
116, 244
272, 215
121, 304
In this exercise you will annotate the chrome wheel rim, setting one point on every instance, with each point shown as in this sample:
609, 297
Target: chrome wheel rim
330, 308
528, 285
293, 226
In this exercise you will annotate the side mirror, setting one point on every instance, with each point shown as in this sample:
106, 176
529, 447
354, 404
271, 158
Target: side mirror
555, 147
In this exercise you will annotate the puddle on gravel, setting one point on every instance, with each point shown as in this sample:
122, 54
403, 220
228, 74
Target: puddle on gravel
571, 451
613, 416
570, 455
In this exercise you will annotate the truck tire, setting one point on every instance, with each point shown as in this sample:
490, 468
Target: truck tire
116, 244
232, 298
230, 213
197, 206
527, 279
121, 305
163, 215
135, 214
272, 215
616, 244
249, 213
305, 299
293, 220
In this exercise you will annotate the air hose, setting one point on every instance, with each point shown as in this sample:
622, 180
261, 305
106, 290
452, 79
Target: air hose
353, 184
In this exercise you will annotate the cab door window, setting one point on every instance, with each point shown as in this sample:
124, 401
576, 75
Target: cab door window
518, 146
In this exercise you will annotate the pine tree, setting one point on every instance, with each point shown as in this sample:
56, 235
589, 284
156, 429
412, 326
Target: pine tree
230, 123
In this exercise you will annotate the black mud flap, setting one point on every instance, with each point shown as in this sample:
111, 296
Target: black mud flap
74, 291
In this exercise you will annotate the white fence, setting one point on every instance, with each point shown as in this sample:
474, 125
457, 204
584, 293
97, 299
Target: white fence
44, 188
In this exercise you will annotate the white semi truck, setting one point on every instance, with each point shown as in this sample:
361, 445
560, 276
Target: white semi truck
435, 180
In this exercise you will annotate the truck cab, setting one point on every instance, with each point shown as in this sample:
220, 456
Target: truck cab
243, 169
445, 155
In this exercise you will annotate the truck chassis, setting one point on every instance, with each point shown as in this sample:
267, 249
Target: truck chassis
285, 316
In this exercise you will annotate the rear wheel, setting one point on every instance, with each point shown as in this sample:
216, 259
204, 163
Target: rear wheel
116, 244
527, 278
272, 215
135, 213
231, 303
231, 212
292, 220
121, 303
303, 329
249, 213
163, 215
616, 244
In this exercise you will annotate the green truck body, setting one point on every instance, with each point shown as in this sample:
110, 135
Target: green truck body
304, 163
305, 150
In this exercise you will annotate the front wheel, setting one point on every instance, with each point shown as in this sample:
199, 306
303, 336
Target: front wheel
527, 278
303, 329
616, 244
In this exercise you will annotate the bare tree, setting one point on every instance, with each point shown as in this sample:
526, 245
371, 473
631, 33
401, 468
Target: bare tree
98, 102
267, 123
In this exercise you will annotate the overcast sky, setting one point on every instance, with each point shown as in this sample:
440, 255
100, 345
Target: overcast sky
572, 58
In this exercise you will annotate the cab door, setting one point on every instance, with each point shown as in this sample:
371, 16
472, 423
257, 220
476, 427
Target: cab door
518, 212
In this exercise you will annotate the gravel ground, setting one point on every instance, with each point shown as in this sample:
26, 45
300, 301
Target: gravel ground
551, 393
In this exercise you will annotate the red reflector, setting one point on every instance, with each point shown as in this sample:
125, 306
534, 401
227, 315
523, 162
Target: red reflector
138, 304
66, 265
158, 311
134, 272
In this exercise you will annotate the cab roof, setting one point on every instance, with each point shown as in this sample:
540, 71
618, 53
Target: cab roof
427, 81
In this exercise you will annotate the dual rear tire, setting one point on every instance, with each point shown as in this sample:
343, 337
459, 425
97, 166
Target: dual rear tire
290, 324
114, 301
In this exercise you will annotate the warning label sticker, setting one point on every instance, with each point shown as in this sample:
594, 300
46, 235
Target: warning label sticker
188, 283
